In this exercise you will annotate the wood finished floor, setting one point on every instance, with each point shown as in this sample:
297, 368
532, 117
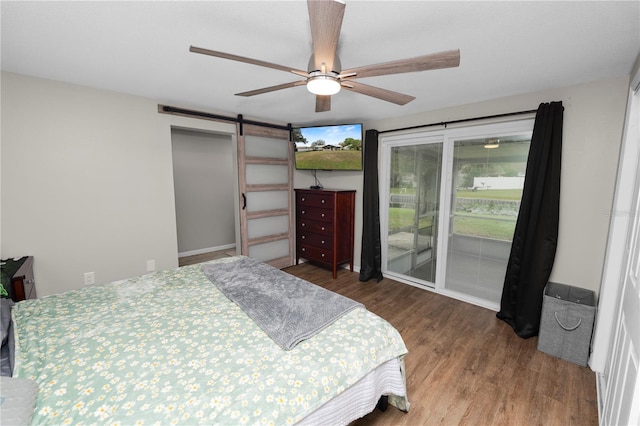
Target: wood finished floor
199, 258
464, 366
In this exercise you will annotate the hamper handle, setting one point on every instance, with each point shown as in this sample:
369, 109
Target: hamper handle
568, 328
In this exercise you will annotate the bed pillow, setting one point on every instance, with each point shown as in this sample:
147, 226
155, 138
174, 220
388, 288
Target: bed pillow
17, 400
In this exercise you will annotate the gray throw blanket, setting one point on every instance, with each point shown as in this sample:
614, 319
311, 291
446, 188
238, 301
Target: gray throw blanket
287, 308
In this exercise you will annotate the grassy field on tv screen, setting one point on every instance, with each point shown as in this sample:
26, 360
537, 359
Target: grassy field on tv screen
329, 160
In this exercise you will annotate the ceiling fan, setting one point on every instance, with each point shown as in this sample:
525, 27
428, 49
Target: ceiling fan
325, 76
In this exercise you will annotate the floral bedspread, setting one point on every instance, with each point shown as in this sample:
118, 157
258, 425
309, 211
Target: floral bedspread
169, 348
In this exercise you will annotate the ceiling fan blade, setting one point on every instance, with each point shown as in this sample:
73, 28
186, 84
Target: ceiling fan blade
323, 103
448, 59
326, 21
376, 92
247, 60
272, 88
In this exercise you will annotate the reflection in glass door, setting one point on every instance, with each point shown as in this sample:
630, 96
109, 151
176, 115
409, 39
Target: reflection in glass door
413, 210
488, 178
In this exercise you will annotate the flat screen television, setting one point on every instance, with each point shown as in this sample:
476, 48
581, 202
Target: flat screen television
331, 147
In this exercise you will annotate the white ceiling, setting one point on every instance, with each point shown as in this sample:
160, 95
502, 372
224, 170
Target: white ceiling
142, 48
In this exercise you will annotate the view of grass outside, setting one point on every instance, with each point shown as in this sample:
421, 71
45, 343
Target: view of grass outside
488, 227
403, 217
491, 194
490, 213
478, 216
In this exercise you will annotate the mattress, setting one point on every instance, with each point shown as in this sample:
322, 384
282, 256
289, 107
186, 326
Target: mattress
361, 398
170, 347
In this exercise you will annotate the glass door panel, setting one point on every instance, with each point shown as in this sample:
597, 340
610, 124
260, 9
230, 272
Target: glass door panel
261, 227
488, 177
265, 147
267, 200
413, 210
269, 250
267, 174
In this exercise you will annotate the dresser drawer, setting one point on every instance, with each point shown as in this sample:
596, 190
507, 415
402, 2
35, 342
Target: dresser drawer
315, 253
307, 212
308, 238
315, 226
320, 199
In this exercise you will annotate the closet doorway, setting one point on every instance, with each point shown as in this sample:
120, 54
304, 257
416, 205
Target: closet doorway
205, 187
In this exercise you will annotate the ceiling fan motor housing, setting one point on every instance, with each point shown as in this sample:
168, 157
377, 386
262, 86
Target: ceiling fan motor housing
311, 67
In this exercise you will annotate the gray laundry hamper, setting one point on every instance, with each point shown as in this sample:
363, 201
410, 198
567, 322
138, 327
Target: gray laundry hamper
566, 322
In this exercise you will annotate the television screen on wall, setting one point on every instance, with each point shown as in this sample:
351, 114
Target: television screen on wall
331, 147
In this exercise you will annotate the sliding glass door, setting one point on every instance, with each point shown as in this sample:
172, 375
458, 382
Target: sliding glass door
488, 177
450, 201
413, 209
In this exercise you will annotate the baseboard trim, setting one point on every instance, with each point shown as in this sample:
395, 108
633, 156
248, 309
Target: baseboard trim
601, 387
206, 250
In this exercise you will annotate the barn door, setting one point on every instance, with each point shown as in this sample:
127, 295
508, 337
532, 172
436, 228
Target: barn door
266, 202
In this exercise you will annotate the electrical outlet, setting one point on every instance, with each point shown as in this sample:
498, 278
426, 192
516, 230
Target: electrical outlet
89, 278
151, 265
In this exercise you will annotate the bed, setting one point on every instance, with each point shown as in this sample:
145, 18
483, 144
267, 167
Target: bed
170, 347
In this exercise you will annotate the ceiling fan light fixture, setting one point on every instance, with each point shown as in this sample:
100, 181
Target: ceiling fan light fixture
323, 84
492, 143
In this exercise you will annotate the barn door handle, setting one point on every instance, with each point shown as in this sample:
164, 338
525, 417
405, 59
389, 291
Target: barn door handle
244, 201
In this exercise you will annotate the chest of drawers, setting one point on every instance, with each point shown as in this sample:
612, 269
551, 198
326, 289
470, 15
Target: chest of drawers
324, 227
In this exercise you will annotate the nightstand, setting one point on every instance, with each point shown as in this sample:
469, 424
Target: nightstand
17, 278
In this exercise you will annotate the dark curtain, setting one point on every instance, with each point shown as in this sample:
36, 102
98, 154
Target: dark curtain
371, 255
536, 234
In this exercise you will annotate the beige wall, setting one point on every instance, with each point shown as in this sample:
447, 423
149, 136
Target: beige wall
87, 180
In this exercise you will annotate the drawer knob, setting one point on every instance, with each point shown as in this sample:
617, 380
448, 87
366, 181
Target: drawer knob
323, 228
322, 255
322, 241
303, 249
302, 212
322, 201
303, 237
302, 224
302, 199
322, 215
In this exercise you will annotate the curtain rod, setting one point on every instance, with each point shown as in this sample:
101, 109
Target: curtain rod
463, 120
239, 119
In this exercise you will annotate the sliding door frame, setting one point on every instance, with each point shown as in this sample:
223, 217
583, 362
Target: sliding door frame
198, 124
448, 136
